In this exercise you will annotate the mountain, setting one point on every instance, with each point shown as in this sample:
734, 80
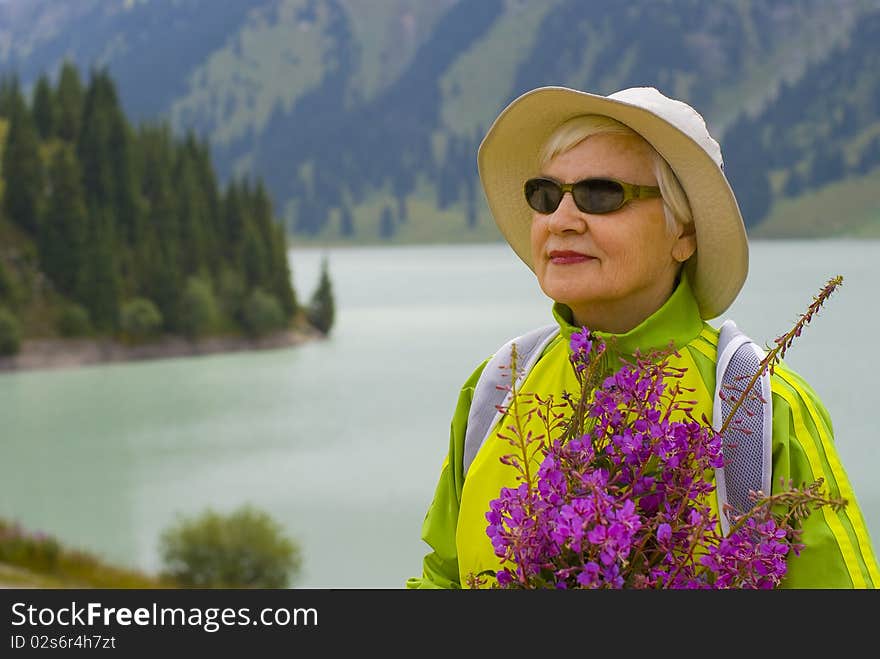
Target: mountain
363, 117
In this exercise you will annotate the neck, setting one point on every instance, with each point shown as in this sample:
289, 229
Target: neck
620, 316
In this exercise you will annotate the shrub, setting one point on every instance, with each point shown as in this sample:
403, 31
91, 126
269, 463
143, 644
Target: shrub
36, 551
74, 321
10, 333
243, 549
9, 290
231, 291
140, 318
47, 563
199, 314
262, 313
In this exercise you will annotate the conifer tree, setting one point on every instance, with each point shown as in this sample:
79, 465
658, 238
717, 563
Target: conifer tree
62, 232
22, 168
157, 254
282, 281
233, 222
192, 215
10, 333
387, 227
261, 210
470, 202
44, 108
322, 308
10, 92
200, 157
98, 287
161, 280
157, 154
10, 295
255, 260
69, 103
104, 151
93, 146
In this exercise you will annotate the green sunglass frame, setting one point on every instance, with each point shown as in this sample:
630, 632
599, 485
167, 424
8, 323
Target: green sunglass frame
630, 191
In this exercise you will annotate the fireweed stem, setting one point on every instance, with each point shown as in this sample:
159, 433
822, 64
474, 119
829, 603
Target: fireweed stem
782, 344
522, 442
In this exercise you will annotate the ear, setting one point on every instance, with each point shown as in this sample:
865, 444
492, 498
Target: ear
686, 243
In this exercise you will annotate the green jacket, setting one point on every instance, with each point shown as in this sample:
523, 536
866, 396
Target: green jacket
838, 550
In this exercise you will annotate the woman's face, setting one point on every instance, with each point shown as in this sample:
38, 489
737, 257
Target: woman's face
613, 270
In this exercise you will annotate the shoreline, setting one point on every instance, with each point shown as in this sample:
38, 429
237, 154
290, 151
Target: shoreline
52, 354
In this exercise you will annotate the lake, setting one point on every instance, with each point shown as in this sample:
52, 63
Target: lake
341, 440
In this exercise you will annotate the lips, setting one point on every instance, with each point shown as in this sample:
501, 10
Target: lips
565, 257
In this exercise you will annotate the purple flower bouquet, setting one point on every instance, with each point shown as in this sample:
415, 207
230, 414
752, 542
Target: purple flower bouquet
623, 495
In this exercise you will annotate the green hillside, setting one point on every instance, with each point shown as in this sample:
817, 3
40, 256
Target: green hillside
363, 118
847, 208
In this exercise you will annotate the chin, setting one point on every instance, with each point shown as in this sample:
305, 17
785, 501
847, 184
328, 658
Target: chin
567, 291
573, 300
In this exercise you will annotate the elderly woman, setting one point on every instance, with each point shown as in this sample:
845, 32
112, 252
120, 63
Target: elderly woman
620, 206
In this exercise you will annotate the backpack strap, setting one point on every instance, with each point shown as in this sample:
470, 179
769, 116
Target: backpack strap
491, 391
747, 442
747, 445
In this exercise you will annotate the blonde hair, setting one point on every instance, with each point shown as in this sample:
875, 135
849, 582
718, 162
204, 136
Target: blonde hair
676, 207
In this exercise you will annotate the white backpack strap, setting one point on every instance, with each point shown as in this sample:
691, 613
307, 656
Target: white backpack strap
748, 442
491, 391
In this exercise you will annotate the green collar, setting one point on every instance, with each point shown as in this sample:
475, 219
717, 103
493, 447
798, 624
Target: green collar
678, 320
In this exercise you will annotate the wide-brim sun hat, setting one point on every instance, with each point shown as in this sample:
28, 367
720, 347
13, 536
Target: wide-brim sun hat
508, 155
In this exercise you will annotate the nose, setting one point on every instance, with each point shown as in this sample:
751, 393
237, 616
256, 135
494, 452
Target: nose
567, 217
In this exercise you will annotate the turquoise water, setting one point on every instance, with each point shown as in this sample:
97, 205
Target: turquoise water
342, 440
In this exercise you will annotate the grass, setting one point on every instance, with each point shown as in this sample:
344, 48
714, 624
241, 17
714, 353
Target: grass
237, 87
13, 576
388, 35
480, 78
848, 208
30, 559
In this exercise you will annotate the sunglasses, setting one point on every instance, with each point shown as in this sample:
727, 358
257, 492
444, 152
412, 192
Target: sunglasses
592, 195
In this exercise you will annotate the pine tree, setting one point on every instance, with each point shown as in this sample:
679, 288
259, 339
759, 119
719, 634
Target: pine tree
69, 103
44, 108
387, 227
470, 202
261, 212
254, 257
10, 294
233, 222
93, 146
322, 309
98, 286
22, 168
156, 162
277, 279
10, 92
192, 215
104, 151
157, 255
282, 281
200, 157
161, 280
10, 333
62, 233
402, 210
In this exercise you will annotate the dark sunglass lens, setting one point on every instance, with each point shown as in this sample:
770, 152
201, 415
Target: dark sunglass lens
542, 195
598, 196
